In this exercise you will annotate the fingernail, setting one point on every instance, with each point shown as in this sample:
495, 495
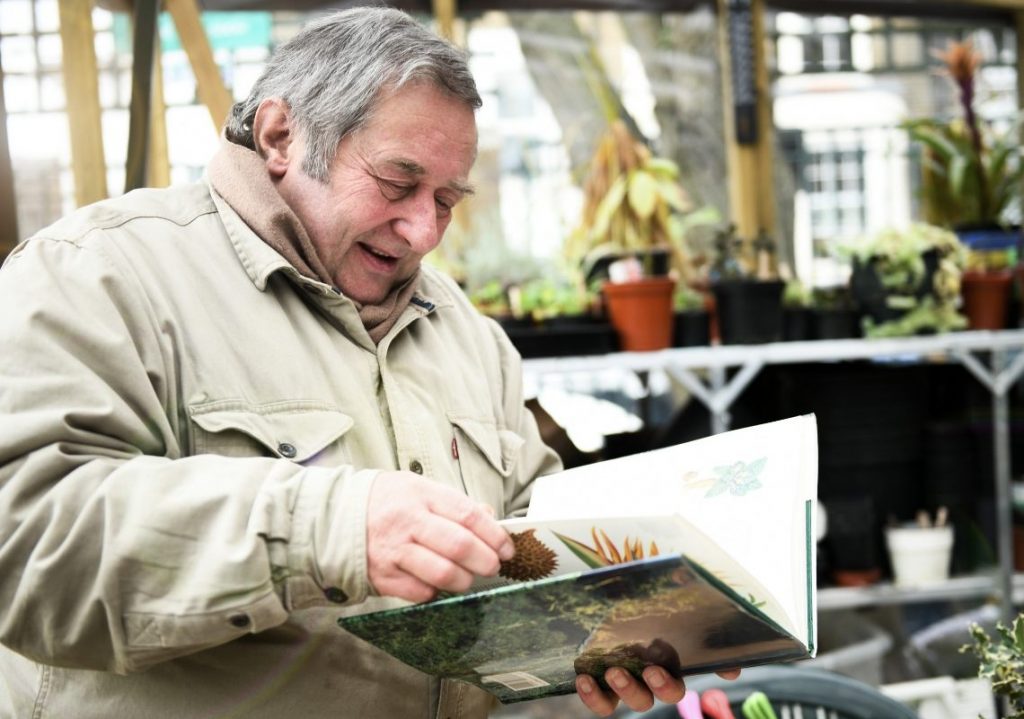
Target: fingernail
507, 551
618, 678
585, 684
654, 677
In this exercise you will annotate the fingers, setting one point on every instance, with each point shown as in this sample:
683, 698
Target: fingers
597, 701
479, 519
638, 696
422, 537
459, 545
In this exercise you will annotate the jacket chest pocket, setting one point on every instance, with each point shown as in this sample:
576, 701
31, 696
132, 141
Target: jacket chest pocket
486, 458
303, 432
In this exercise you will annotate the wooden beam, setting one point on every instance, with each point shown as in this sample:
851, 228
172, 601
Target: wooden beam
144, 36
209, 84
81, 89
9, 236
444, 15
748, 138
158, 166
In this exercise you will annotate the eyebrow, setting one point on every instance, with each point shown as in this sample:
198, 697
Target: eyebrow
415, 169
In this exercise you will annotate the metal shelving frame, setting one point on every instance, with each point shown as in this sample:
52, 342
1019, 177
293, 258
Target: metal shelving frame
994, 358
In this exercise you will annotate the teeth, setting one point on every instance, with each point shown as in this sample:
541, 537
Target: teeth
379, 254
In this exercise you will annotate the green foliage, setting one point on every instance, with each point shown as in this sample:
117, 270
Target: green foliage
796, 295
491, 299
963, 186
632, 202
687, 299
898, 259
1001, 661
544, 298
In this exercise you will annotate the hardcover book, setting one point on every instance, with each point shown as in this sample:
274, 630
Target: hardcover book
697, 558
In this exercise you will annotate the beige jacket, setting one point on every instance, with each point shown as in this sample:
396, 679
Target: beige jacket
189, 432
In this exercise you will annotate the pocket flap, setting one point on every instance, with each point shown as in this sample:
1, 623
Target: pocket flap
498, 446
292, 430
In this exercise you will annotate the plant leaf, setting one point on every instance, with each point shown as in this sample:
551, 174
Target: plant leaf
585, 554
643, 193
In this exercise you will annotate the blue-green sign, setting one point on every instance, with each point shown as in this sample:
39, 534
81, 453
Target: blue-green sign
226, 30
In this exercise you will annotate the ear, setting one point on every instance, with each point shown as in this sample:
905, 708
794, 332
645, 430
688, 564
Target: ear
274, 135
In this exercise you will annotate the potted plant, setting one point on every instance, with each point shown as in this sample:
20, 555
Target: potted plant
692, 320
833, 316
920, 551
971, 175
560, 319
796, 312
632, 202
1001, 661
907, 282
748, 295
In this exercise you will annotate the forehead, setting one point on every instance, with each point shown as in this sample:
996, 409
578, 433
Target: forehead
419, 126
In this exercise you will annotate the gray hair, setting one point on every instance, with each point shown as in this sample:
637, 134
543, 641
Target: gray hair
336, 69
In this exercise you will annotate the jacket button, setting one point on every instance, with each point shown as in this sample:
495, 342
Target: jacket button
239, 620
415, 466
287, 450
335, 595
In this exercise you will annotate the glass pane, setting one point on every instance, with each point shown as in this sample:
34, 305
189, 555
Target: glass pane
18, 54
16, 16
51, 92
21, 93
50, 52
47, 16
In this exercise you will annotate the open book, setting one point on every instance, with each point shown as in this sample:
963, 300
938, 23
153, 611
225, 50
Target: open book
697, 557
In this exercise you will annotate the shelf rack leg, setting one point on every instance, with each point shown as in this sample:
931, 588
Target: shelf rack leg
999, 380
721, 394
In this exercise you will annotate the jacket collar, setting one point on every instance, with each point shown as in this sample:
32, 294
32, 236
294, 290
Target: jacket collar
260, 261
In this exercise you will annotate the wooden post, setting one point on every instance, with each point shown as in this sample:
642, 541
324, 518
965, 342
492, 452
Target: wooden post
444, 15
158, 166
83, 101
209, 84
9, 236
144, 36
748, 163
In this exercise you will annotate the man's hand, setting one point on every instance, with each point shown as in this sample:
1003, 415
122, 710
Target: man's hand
657, 684
422, 537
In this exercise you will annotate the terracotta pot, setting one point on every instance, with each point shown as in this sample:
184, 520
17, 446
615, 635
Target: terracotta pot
986, 298
641, 312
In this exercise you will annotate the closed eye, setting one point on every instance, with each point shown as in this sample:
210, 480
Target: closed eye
392, 190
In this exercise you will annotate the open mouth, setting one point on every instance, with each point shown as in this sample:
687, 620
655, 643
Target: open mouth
381, 259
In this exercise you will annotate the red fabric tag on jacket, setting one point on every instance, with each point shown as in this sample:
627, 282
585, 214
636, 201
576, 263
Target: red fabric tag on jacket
455, 448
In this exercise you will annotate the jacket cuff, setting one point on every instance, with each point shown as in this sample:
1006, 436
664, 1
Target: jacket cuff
327, 548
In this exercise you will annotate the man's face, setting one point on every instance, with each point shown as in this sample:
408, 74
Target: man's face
391, 190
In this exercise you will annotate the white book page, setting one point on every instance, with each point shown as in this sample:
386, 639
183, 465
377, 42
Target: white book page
747, 489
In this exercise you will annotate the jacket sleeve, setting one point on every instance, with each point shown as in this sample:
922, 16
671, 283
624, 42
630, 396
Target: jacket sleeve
116, 551
535, 459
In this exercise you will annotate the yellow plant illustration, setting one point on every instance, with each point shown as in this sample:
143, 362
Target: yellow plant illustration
604, 553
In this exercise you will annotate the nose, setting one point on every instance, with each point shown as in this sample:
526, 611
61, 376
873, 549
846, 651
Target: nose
418, 223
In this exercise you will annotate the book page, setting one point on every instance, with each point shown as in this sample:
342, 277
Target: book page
746, 489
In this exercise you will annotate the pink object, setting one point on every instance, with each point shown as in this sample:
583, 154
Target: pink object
689, 707
715, 704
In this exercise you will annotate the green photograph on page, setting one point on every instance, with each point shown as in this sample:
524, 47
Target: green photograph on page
706, 563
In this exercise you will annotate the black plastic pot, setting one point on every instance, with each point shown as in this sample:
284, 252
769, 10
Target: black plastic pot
796, 324
835, 324
564, 336
691, 328
749, 312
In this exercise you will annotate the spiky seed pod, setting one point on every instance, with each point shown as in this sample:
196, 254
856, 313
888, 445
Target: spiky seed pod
533, 559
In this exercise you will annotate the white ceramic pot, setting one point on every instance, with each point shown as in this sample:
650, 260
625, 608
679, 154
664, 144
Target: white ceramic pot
920, 555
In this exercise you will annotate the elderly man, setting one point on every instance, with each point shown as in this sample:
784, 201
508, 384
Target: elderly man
234, 410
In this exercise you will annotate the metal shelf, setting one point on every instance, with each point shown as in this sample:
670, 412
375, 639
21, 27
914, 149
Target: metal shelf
994, 358
975, 586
